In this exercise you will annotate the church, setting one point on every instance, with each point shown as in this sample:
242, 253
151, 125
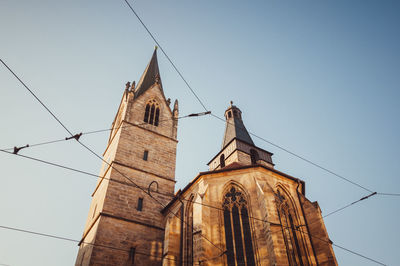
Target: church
242, 211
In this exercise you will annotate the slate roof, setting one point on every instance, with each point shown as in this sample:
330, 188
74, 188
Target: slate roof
150, 76
235, 129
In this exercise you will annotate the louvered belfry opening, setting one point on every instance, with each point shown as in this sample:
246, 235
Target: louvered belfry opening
254, 156
152, 113
239, 244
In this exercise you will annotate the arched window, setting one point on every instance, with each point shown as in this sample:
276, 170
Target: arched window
254, 156
291, 234
222, 161
239, 244
152, 109
152, 113
146, 113
157, 116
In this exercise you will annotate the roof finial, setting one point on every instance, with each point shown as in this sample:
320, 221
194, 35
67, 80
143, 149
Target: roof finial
231, 103
155, 47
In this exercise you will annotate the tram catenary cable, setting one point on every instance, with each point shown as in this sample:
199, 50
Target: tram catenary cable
77, 241
168, 58
217, 117
105, 130
389, 194
263, 139
184, 199
76, 137
338, 246
34, 95
181, 117
298, 156
200, 114
206, 205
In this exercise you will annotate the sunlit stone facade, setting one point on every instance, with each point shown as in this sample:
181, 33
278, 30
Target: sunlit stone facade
241, 212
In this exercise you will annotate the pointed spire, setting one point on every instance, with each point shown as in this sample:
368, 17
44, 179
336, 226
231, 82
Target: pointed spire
235, 127
176, 109
150, 76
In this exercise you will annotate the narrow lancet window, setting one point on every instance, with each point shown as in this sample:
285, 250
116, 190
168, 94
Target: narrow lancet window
146, 113
140, 204
132, 252
222, 161
253, 156
238, 240
152, 113
145, 155
157, 116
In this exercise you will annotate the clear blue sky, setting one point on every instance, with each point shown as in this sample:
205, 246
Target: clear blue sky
320, 78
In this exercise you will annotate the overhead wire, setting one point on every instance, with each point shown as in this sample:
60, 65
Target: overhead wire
389, 194
34, 95
191, 89
102, 130
146, 192
297, 156
76, 137
165, 54
319, 238
261, 138
77, 241
275, 145
280, 230
130, 125
348, 205
191, 115
339, 246
90, 150
333, 212
206, 205
184, 199
50, 163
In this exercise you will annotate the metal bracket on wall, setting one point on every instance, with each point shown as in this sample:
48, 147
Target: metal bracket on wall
150, 186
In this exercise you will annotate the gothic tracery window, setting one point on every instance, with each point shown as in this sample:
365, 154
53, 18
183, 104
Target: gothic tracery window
239, 244
152, 113
292, 236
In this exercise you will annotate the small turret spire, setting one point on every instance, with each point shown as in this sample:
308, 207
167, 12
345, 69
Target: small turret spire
234, 126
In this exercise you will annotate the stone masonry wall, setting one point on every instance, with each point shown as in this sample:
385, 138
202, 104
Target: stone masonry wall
114, 219
260, 186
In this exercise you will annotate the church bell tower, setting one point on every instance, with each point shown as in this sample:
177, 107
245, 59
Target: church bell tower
125, 225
